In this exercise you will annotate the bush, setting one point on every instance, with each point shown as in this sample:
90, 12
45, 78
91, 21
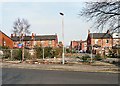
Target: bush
38, 52
4, 47
57, 52
85, 58
112, 54
27, 54
6, 54
48, 52
98, 57
68, 51
17, 54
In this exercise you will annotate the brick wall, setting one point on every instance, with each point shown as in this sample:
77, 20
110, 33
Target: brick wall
47, 43
84, 45
5, 40
102, 42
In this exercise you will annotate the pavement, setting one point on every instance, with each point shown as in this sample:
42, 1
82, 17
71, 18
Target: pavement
94, 67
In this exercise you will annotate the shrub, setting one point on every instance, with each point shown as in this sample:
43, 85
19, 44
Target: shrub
48, 52
85, 58
112, 54
98, 57
57, 52
68, 51
6, 53
38, 52
27, 54
17, 54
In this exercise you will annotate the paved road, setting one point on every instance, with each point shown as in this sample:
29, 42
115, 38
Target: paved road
30, 76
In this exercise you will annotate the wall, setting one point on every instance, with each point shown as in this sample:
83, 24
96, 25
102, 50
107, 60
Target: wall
5, 40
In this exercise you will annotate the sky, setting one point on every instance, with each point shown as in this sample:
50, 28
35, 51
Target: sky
45, 19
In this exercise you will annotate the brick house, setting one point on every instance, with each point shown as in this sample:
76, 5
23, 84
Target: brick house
116, 39
5, 40
75, 45
100, 42
83, 46
78, 45
36, 40
116, 43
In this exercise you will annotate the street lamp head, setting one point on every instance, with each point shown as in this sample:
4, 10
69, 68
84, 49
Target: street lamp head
61, 14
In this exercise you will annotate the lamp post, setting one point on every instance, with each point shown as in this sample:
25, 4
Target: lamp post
118, 29
63, 58
23, 49
91, 47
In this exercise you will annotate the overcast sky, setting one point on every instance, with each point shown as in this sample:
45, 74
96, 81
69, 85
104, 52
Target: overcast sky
45, 19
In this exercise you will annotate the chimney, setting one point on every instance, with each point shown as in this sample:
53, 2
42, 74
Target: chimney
11, 35
32, 35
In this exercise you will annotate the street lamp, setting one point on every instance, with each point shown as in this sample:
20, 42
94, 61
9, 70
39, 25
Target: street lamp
23, 49
91, 48
63, 58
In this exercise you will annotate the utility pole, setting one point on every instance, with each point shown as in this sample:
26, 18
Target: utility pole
118, 28
23, 49
11, 54
91, 47
43, 53
23, 53
63, 58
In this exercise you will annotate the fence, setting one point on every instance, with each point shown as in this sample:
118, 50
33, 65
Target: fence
38, 53
14, 54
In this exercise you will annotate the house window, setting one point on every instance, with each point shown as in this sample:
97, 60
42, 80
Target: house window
4, 43
96, 41
107, 41
28, 42
42, 43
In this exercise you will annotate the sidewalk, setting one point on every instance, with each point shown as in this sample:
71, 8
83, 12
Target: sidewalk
96, 67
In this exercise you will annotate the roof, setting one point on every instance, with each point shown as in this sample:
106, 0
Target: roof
76, 41
46, 37
37, 38
5, 34
100, 35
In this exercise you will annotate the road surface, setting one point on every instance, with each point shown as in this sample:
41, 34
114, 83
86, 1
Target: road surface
30, 76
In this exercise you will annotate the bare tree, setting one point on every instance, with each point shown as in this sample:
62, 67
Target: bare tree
21, 26
105, 14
